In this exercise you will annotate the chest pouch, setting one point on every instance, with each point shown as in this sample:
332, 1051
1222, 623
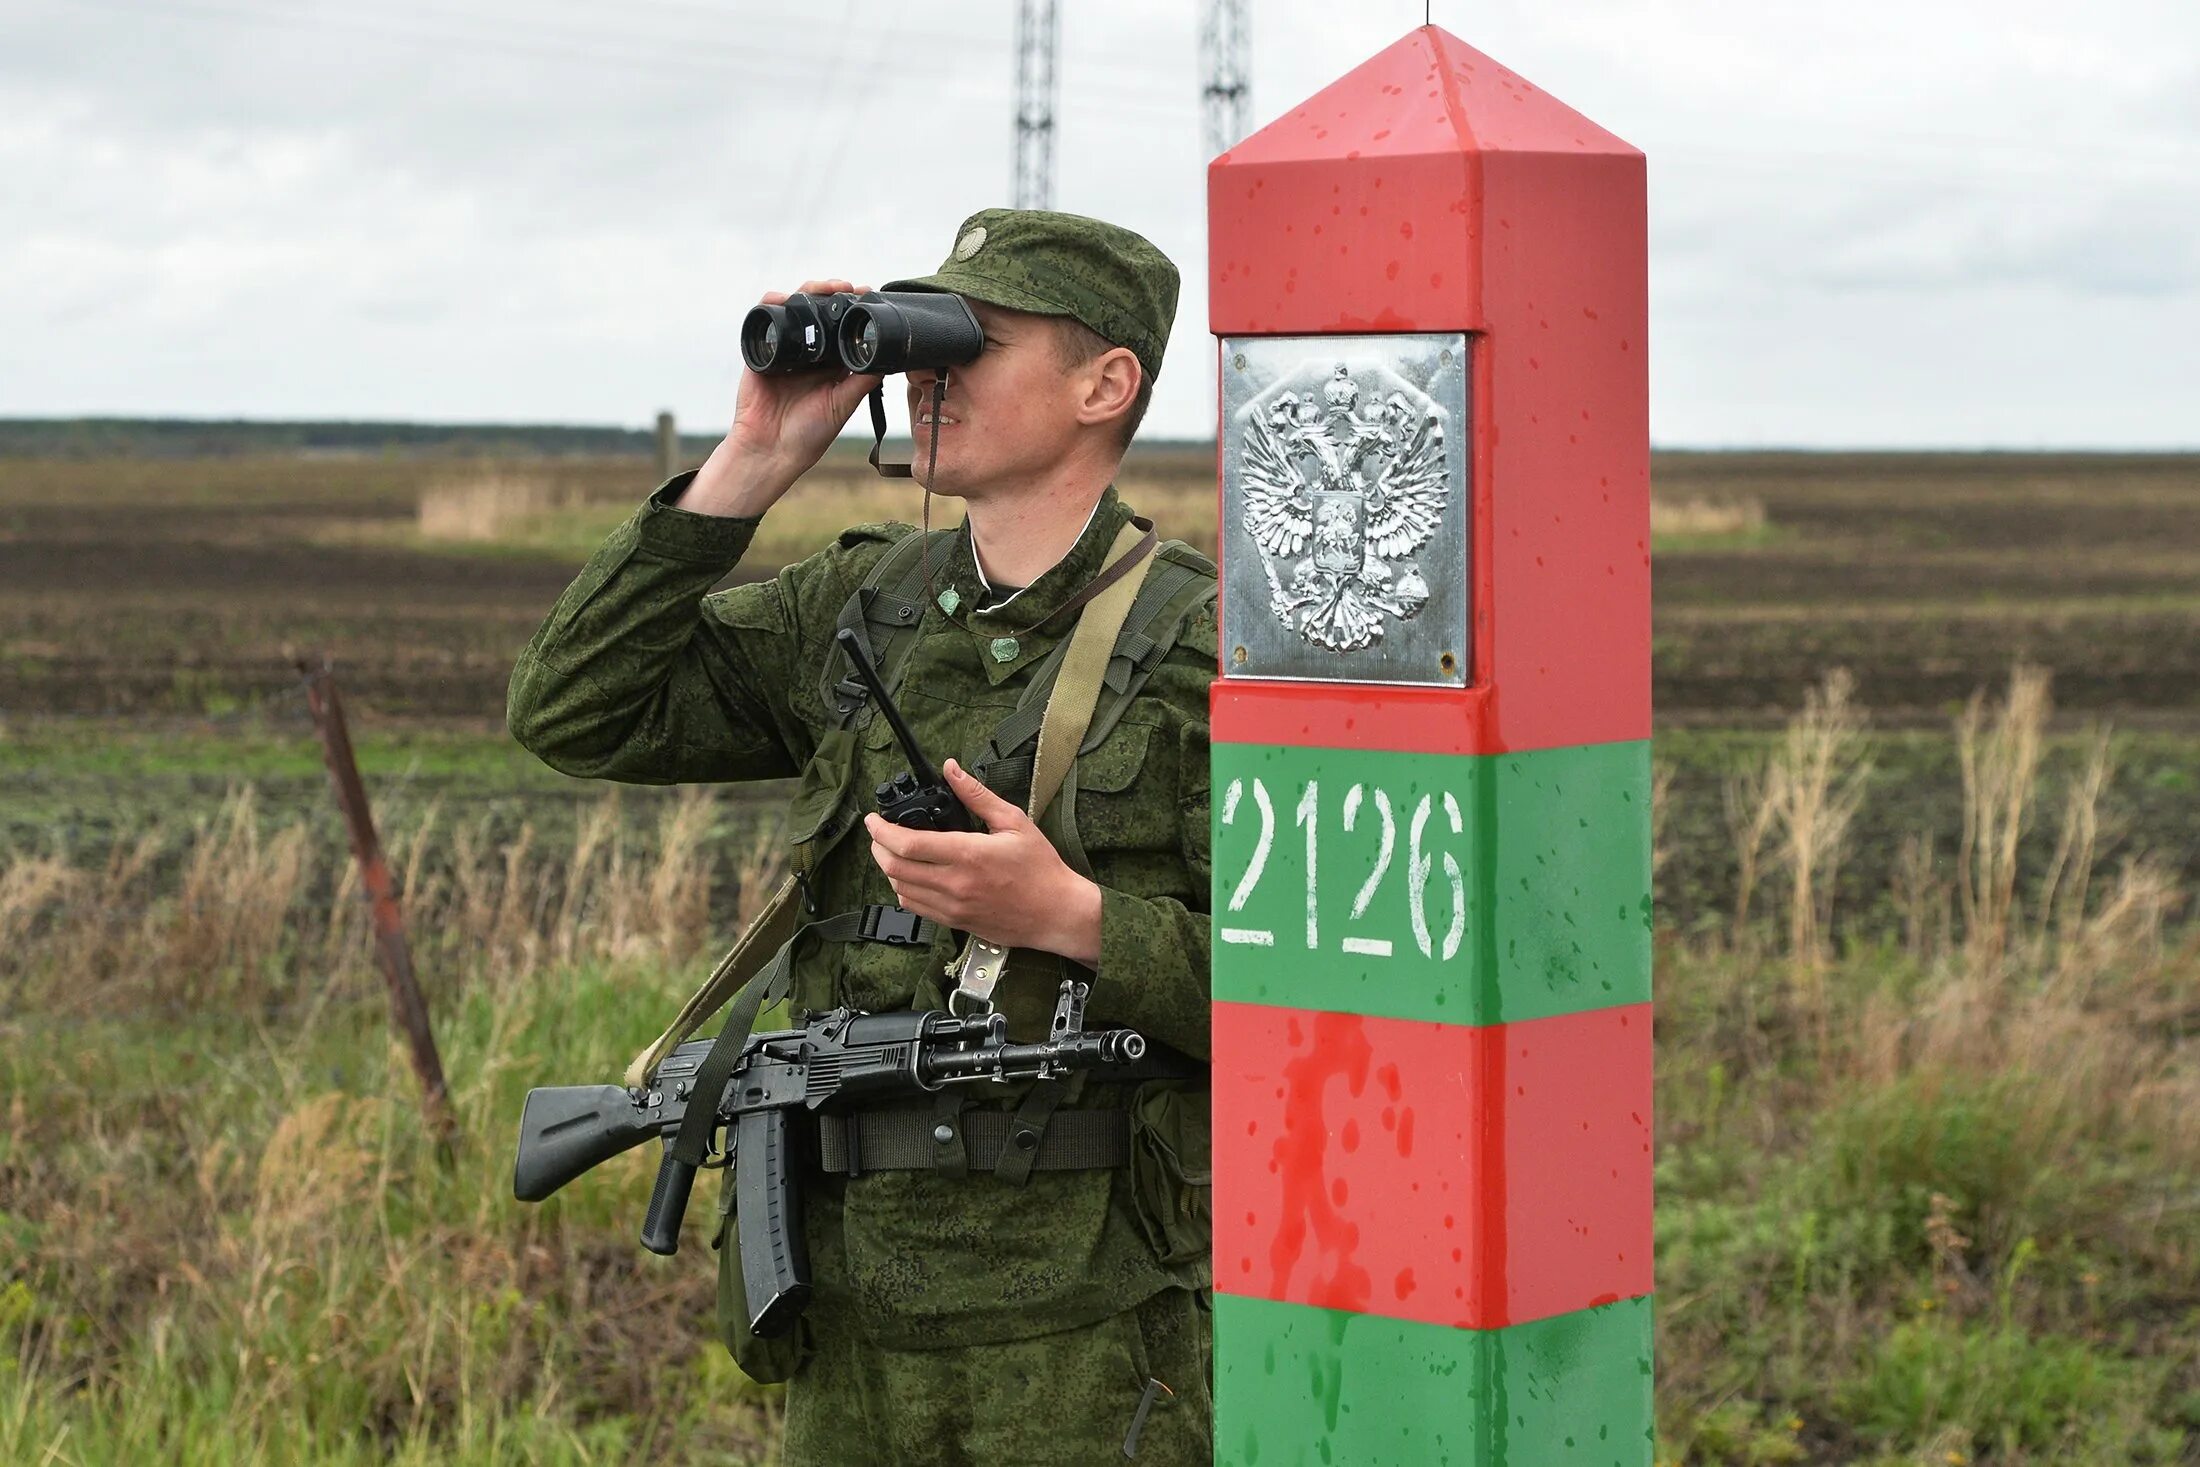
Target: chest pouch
1172, 1176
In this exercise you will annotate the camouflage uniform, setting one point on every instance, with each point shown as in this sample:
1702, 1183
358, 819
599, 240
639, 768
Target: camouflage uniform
955, 1317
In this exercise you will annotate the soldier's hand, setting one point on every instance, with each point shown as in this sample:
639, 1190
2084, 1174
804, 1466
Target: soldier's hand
782, 426
1006, 884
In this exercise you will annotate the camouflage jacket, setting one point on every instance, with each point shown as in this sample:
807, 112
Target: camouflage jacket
641, 674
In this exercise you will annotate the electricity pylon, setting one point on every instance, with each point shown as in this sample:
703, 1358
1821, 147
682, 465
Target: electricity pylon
1037, 36
1226, 57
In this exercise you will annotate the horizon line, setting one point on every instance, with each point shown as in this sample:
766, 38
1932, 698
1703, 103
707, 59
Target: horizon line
646, 430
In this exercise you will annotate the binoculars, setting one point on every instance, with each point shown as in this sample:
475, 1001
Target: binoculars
878, 331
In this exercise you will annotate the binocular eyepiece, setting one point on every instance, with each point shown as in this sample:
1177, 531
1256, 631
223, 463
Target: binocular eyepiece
878, 331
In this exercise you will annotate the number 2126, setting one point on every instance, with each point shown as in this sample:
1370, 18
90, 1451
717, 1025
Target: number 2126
1420, 865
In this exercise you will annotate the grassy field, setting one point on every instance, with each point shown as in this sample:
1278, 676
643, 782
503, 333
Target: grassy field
1929, 1186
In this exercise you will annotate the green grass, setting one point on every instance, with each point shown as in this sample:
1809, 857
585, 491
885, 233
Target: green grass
141, 756
1690, 543
1952, 1264
1995, 1389
234, 1243
62, 788
224, 1237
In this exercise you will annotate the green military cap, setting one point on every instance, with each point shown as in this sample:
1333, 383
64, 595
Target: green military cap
1056, 264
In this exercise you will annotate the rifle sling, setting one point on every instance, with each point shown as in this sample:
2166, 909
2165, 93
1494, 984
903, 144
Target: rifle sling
692, 1145
700, 1124
773, 928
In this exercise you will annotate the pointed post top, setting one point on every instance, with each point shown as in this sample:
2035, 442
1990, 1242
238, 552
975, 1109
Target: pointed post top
1427, 92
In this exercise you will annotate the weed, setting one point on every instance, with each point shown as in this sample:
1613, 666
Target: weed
1992, 1389
2000, 764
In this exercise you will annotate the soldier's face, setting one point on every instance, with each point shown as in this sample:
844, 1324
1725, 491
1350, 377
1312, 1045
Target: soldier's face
1010, 416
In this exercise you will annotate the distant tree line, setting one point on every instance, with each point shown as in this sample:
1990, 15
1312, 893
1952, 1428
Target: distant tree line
84, 438
206, 438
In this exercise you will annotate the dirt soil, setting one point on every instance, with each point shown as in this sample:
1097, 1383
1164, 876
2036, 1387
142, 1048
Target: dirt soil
136, 589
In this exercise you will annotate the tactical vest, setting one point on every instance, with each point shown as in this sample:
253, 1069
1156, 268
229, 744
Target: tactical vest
1163, 1140
885, 613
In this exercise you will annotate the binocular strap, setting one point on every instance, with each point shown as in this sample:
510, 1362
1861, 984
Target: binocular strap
878, 432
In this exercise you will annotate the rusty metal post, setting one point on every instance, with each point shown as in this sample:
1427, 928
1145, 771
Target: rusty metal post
408, 1009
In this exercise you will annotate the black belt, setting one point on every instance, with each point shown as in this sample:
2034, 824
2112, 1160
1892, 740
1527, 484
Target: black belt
902, 1139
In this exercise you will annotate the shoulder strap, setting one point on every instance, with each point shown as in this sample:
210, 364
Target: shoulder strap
1171, 593
883, 613
1147, 640
1079, 677
1069, 710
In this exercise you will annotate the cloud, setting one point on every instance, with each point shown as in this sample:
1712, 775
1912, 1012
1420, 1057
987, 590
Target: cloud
556, 211
2124, 245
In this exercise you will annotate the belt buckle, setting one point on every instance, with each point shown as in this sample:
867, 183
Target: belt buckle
894, 926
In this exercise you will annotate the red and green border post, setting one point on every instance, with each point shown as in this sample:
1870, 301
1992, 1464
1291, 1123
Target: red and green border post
1432, 1102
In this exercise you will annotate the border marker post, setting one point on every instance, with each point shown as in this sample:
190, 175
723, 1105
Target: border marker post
1431, 777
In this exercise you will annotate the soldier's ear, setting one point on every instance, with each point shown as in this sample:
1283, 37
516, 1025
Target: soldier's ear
1111, 385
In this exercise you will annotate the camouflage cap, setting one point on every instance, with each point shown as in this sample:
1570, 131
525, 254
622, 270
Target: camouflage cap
1056, 264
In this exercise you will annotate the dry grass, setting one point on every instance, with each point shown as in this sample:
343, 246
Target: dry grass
488, 507
262, 1257
1823, 766
2000, 758
1921, 899
268, 1260
536, 513
2078, 980
2087, 1047
1805, 793
1790, 816
246, 914
1703, 517
1937, 1204
2086, 1004
1751, 804
1661, 806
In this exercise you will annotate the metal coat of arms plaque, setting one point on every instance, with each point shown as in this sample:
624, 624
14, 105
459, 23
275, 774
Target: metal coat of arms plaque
1344, 508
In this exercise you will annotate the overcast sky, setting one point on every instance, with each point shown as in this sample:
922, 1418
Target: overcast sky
1934, 222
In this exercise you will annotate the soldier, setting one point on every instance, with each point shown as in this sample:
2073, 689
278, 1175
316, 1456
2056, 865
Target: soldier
1037, 1302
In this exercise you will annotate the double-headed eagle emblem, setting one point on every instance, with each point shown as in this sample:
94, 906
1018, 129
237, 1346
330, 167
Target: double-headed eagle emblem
1339, 498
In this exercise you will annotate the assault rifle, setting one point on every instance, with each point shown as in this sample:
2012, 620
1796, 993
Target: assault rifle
840, 1060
